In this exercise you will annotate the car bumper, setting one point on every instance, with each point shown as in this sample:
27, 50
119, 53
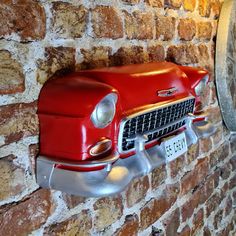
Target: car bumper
118, 172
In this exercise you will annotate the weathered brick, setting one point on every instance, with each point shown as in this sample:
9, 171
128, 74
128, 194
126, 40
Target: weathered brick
204, 30
12, 178
232, 182
189, 5
173, 3
24, 18
206, 232
205, 145
165, 27
58, 60
204, 58
128, 55
225, 171
204, 7
69, 21
198, 222
79, 224
218, 218
214, 114
183, 54
33, 153
107, 23
130, 227
158, 176
156, 53
226, 230
155, 208
155, 3
186, 29
193, 152
28, 215
72, 200
194, 177
219, 155
137, 190
96, 57
172, 223
224, 190
233, 163
185, 231
18, 120
228, 207
139, 25
176, 166
217, 136
213, 203
215, 8
107, 211
233, 143
132, 2
12, 79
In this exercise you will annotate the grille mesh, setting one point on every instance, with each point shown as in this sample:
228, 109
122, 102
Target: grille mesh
164, 119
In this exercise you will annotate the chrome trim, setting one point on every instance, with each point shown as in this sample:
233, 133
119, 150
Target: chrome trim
82, 164
115, 178
153, 108
99, 143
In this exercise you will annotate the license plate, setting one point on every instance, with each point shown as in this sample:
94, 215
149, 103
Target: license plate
175, 147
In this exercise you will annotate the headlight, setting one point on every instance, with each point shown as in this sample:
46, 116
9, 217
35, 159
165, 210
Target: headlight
104, 112
199, 89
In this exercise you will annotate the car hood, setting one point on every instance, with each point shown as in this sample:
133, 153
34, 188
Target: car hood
144, 84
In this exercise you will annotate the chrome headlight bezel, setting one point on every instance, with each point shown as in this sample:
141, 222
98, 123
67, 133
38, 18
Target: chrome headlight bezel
199, 89
109, 103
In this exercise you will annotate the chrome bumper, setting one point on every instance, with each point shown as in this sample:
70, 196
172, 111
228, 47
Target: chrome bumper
115, 177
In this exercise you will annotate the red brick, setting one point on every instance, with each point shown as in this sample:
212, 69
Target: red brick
132, 2
232, 182
24, 18
128, 55
183, 54
165, 27
158, 176
33, 153
155, 3
206, 232
58, 60
107, 211
173, 3
130, 227
12, 178
219, 155
156, 53
233, 163
155, 208
194, 177
139, 25
204, 58
79, 224
137, 190
96, 57
176, 166
27, 216
225, 171
233, 143
72, 200
172, 223
228, 207
198, 222
213, 203
224, 190
186, 29
204, 30
215, 8
185, 231
189, 5
218, 218
205, 145
204, 7
193, 153
12, 79
217, 136
18, 121
107, 23
69, 21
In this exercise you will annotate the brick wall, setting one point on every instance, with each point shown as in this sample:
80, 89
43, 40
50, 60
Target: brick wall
193, 195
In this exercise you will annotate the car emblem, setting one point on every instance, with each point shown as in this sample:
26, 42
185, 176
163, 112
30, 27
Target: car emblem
167, 92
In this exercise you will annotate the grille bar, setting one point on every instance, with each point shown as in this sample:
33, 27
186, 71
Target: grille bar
155, 123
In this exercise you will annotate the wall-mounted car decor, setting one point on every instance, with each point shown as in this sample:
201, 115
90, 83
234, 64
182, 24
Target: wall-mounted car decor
101, 128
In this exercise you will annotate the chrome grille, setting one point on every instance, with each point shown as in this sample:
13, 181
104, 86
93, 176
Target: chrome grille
155, 123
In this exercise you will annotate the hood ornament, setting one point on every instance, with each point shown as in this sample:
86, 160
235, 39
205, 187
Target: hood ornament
167, 92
